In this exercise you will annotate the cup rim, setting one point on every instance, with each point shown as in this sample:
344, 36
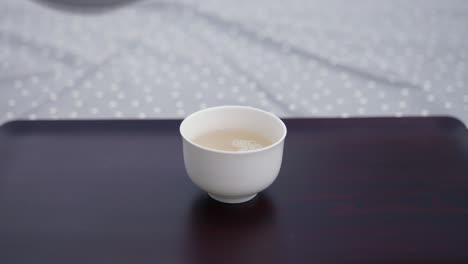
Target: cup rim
277, 142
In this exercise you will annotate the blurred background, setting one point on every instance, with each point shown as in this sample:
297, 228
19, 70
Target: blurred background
101, 59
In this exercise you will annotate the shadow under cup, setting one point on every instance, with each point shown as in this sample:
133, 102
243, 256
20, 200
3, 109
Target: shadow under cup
233, 176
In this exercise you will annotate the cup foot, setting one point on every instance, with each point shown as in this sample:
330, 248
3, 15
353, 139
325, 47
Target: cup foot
232, 200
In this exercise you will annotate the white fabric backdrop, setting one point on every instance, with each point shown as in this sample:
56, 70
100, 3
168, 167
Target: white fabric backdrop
165, 59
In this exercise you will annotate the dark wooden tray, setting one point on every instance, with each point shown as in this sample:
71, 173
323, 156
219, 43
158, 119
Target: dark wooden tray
377, 190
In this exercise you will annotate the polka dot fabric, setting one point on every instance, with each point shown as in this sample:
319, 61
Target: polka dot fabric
153, 59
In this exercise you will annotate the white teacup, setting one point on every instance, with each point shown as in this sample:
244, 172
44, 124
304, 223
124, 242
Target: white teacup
233, 176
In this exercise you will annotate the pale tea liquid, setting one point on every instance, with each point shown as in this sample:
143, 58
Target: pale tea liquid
232, 140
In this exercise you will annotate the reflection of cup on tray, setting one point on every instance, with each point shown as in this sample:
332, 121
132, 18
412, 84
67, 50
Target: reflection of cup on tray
239, 233
233, 152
